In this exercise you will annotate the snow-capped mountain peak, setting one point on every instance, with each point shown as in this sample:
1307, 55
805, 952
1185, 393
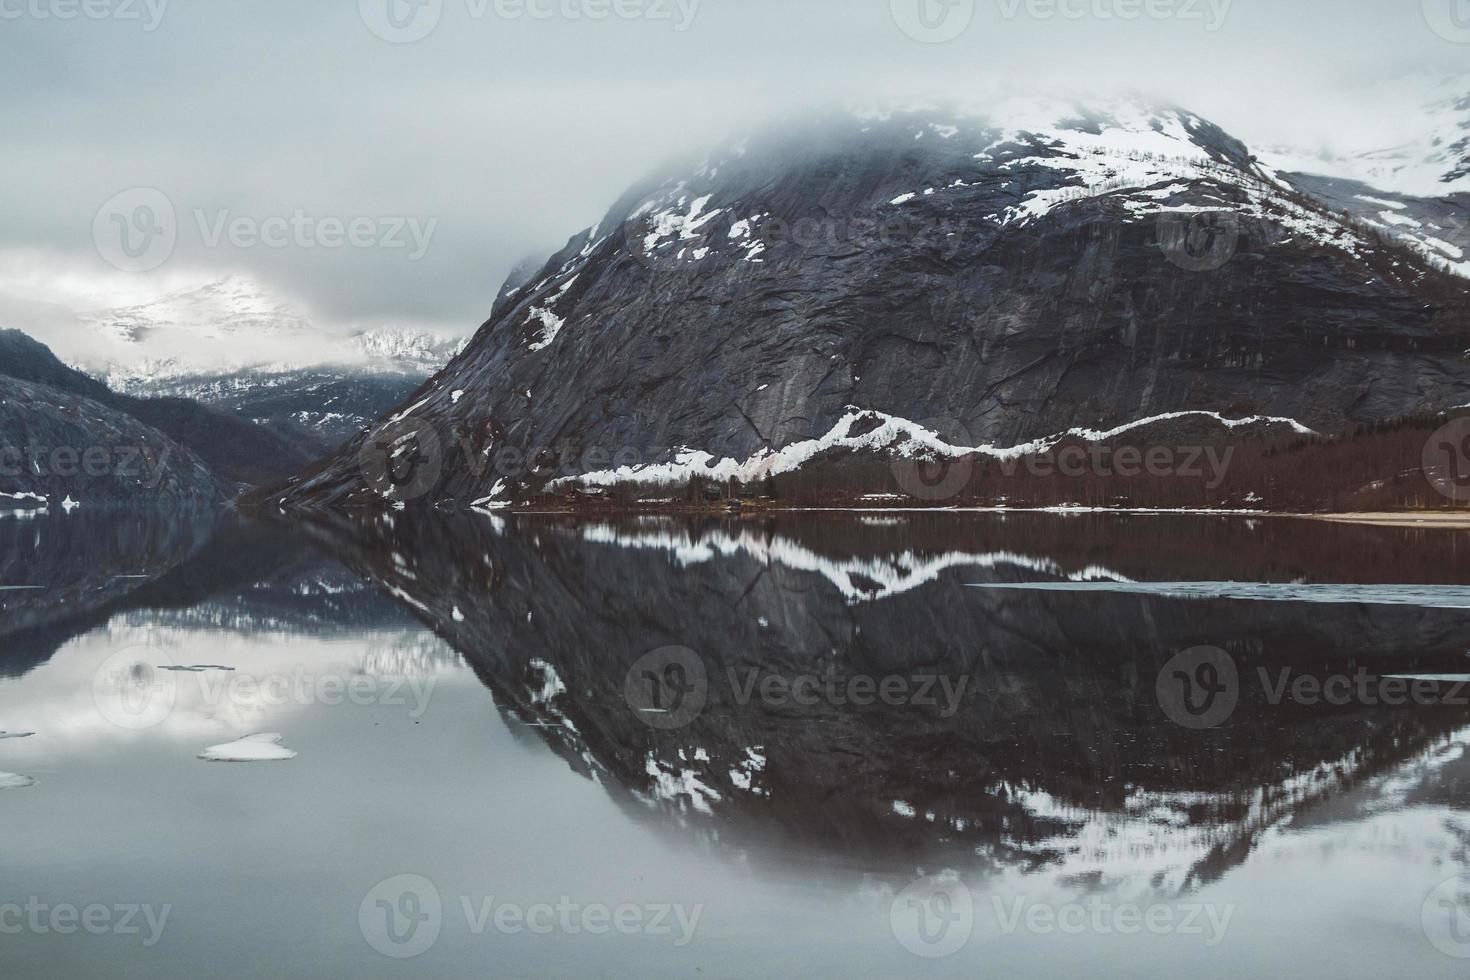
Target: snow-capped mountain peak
404, 348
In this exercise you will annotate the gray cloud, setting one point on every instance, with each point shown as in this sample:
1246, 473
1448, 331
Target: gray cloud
511, 133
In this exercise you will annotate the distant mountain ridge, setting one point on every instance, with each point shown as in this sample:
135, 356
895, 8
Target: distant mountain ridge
236, 324
234, 345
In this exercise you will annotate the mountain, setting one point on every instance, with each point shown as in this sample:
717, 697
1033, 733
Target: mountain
237, 346
1417, 190
60, 450
52, 406
522, 273
1432, 157
314, 409
237, 323
1437, 228
919, 282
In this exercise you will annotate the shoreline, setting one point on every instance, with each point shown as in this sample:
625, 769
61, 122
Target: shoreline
1427, 518
1447, 519
1442, 519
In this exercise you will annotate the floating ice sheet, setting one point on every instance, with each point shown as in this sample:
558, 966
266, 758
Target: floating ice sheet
263, 747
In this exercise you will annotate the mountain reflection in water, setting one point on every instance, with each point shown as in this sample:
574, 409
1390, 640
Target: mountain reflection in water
1055, 757
821, 700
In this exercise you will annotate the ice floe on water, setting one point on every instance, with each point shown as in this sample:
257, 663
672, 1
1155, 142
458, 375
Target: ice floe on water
262, 747
10, 780
1427, 596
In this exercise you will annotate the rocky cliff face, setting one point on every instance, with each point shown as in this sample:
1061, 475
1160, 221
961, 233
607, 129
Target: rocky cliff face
59, 451
989, 277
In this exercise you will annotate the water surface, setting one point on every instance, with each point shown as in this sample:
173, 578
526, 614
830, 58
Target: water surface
645, 746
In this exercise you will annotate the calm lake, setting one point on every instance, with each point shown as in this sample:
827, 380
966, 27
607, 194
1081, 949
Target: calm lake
888, 744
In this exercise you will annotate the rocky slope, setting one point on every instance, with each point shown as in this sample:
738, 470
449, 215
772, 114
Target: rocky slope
978, 278
315, 410
54, 416
59, 450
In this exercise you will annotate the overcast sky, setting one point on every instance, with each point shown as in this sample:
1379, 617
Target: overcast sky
509, 131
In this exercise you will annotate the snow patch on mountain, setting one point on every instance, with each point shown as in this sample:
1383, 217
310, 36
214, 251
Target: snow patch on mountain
551, 325
897, 436
1139, 151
